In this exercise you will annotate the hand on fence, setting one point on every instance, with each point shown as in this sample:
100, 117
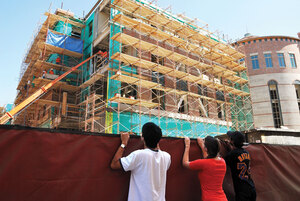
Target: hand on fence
124, 138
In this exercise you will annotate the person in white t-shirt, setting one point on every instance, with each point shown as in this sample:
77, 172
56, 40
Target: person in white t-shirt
148, 166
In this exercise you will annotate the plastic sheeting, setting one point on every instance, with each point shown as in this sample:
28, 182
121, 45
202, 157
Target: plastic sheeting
43, 164
65, 42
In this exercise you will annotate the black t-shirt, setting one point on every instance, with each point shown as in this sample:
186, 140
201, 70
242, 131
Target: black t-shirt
239, 162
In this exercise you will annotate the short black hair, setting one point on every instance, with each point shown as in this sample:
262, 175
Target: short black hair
238, 139
151, 134
212, 146
229, 133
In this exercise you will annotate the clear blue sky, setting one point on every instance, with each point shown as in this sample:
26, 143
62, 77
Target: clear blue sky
231, 17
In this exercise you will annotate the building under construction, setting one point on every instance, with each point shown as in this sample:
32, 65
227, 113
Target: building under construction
153, 66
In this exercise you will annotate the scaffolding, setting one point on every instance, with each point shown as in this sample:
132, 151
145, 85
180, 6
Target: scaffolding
161, 67
58, 107
172, 72
93, 104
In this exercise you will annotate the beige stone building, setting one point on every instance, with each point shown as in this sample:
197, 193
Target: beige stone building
274, 75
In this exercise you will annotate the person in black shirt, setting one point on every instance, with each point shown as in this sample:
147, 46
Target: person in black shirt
238, 160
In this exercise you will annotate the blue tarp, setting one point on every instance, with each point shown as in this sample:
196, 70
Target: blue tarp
64, 41
9, 107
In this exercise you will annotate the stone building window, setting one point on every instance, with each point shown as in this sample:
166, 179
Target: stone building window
275, 104
254, 60
281, 60
293, 61
268, 59
297, 89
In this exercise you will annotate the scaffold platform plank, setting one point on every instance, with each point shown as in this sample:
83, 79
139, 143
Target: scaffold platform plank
159, 51
176, 57
51, 49
39, 82
91, 99
184, 30
153, 85
135, 81
90, 120
131, 60
53, 18
95, 77
129, 101
173, 40
47, 66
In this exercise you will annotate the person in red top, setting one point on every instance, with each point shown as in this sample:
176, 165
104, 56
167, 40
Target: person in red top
51, 71
211, 169
104, 57
58, 60
103, 54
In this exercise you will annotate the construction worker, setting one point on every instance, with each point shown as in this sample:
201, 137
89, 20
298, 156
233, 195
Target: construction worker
104, 57
25, 86
58, 60
103, 54
44, 74
68, 80
51, 71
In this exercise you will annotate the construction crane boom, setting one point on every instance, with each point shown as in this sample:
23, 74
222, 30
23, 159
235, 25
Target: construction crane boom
40, 92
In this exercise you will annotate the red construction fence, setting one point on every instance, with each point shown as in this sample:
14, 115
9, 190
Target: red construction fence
42, 164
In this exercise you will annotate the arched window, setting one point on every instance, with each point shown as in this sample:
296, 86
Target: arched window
275, 103
297, 88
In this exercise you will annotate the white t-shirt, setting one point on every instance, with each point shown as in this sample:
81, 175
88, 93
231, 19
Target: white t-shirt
148, 174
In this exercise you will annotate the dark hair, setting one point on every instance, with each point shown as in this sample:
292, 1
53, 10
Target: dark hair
152, 134
212, 146
238, 139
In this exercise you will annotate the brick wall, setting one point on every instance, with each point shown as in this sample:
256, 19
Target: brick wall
171, 100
